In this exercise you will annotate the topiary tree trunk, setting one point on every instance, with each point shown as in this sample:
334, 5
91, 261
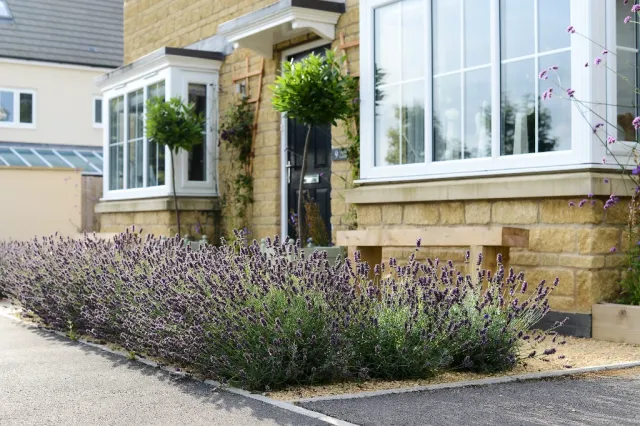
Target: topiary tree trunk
173, 186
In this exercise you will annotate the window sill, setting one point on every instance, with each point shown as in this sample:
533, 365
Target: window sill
157, 204
27, 126
566, 184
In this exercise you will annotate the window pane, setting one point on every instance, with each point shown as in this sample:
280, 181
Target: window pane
97, 118
517, 30
26, 108
387, 126
477, 31
388, 55
446, 118
116, 167
412, 148
553, 20
135, 115
155, 171
11, 158
446, 35
135, 145
198, 155
116, 120
477, 136
625, 33
6, 107
156, 164
627, 104
156, 90
135, 164
413, 39
518, 107
554, 118
31, 158
52, 158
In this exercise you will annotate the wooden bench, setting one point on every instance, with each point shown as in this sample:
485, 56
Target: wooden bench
488, 240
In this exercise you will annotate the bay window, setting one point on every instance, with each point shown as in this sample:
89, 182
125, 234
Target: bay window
136, 166
451, 87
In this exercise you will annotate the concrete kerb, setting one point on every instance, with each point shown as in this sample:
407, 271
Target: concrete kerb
265, 400
474, 383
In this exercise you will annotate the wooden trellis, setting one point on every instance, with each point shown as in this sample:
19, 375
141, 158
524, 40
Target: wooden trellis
344, 46
252, 99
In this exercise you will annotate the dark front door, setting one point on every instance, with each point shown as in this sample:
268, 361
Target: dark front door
318, 173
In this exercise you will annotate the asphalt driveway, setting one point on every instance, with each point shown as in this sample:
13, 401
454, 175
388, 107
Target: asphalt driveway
49, 380
568, 401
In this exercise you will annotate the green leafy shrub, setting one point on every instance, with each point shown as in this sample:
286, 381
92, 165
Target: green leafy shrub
178, 126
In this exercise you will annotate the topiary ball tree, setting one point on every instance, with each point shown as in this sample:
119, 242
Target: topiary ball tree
315, 92
178, 126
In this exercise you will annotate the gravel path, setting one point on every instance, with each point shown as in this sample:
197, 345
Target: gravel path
48, 380
573, 401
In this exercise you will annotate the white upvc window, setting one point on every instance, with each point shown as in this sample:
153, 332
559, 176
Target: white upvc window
450, 87
623, 78
17, 108
136, 167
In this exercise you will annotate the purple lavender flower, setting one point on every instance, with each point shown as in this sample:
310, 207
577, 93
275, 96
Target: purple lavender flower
543, 75
635, 8
571, 29
636, 123
571, 92
627, 19
613, 250
572, 204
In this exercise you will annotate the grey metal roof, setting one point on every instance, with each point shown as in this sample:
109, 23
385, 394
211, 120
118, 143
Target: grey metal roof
81, 32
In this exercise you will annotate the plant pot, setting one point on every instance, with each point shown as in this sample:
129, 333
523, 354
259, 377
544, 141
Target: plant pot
616, 323
332, 252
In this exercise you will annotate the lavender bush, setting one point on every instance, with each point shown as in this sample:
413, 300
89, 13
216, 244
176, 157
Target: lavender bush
267, 319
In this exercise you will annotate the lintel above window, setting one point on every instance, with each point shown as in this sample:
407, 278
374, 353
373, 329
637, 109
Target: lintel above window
136, 167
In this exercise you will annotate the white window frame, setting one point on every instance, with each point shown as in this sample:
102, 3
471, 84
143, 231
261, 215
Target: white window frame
177, 73
97, 125
621, 150
16, 108
577, 157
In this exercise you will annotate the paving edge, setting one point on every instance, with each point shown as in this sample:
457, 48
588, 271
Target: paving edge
473, 383
257, 397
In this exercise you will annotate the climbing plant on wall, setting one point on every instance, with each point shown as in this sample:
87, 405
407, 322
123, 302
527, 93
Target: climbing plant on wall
236, 132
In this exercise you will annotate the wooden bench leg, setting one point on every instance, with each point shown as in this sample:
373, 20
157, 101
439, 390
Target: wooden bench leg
371, 255
489, 258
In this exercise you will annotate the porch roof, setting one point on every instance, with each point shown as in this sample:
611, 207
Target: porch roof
261, 29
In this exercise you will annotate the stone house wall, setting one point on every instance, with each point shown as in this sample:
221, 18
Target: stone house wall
149, 25
571, 243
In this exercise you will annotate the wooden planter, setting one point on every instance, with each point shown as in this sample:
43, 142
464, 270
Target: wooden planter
616, 323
